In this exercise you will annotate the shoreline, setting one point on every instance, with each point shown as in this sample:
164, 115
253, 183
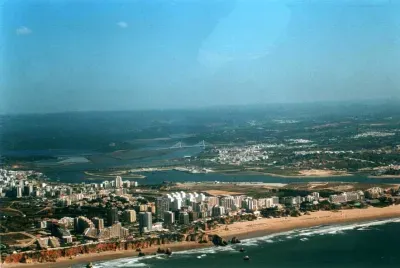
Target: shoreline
255, 173
384, 177
107, 256
248, 172
101, 177
266, 226
242, 230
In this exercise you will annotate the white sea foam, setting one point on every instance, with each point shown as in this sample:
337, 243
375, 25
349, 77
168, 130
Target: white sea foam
313, 231
249, 243
204, 251
365, 229
267, 238
303, 234
126, 262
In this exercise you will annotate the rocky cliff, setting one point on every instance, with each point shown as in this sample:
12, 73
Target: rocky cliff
218, 241
51, 255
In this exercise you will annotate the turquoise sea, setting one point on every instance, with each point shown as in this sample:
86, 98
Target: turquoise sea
369, 244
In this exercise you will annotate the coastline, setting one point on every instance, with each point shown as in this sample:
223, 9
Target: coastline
101, 177
265, 226
300, 176
248, 172
106, 256
242, 230
385, 177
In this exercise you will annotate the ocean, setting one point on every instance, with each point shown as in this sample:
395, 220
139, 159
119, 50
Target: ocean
370, 244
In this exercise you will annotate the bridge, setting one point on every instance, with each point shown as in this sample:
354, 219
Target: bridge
202, 144
180, 145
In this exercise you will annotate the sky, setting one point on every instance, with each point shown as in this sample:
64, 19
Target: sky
59, 55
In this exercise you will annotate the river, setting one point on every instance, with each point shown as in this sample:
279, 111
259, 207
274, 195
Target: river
77, 176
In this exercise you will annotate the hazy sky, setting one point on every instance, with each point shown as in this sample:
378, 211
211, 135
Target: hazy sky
61, 55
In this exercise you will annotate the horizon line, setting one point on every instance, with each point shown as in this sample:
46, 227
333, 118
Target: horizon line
217, 106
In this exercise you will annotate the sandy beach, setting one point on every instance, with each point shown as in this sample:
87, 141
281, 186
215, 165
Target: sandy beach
266, 226
243, 230
313, 173
322, 173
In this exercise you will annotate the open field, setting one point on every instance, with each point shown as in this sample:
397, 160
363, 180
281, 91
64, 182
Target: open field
322, 173
17, 239
220, 192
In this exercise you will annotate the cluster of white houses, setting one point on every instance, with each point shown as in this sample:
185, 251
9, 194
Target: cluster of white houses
347, 197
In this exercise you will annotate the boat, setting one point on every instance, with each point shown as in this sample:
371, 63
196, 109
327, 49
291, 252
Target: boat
89, 265
242, 250
246, 258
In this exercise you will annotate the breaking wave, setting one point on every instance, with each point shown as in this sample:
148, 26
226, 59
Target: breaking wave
300, 234
318, 230
126, 262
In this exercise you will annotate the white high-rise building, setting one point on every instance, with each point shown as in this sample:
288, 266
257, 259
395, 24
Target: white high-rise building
98, 223
177, 204
264, 202
212, 201
309, 198
275, 200
145, 221
227, 202
118, 182
130, 215
218, 211
190, 197
249, 204
169, 217
162, 205
183, 194
201, 198
19, 192
316, 195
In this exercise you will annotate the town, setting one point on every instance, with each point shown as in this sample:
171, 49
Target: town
37, 214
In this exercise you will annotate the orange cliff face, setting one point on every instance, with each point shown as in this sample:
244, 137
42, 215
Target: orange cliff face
51, 255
